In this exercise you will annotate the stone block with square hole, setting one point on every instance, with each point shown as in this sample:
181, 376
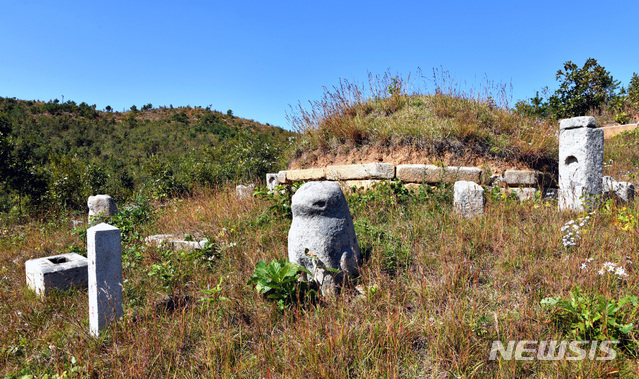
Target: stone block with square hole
59, 271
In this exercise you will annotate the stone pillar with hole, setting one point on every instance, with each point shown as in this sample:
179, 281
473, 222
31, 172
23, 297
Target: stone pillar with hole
581, 146
105, 276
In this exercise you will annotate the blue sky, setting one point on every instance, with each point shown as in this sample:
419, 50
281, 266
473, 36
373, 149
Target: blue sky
257, 57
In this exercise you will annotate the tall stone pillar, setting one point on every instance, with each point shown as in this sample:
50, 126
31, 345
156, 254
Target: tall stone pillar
581, 147
105, 276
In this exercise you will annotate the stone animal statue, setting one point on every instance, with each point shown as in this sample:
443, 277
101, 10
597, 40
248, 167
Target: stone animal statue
322, 237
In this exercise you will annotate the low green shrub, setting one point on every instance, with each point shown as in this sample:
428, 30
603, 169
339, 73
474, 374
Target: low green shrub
393, 253
129, 218
596, 318
622, 118
279, 198
279, 281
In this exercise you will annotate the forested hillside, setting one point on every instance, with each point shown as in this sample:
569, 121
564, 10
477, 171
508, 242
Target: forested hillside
53, 155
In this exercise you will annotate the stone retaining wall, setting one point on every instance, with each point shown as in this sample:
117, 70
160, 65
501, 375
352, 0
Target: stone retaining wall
610, 131
365, 175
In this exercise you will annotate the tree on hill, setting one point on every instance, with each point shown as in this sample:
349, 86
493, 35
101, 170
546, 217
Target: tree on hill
53, 155
580, 91
633, 90
5, 147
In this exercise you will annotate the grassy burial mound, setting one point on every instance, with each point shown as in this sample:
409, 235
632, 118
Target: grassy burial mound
387, 121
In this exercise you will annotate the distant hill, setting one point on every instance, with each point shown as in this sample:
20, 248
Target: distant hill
56, 154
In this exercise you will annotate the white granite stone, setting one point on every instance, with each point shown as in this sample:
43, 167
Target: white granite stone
59, 271
101, 205
468, 198
322, 235
244, 192
105, 276
580, 165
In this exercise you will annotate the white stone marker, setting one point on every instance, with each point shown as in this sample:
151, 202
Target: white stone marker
271, 181
622, 192
244, 192
468, 199
101, 205
581, 147
105, 276
59, 271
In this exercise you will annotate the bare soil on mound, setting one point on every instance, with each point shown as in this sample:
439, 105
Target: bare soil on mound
404, 155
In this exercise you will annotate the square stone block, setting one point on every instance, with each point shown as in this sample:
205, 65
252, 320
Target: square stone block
59, 271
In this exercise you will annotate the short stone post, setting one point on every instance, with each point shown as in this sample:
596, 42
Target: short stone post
468, 198
581, 147
271, 181
105, 276
101, 205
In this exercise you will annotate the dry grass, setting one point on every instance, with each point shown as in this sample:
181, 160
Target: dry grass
435, 290
389, 111
461, 285
621, 160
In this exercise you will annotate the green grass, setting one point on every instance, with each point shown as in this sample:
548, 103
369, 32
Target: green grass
621, 158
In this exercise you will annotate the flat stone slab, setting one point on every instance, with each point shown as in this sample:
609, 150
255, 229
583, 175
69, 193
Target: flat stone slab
419, 173
308, 174
158, 238
525, 193
361, 171
578, 122
187, 245
527, 178
59, 271
174, 244
521, 178
610, 131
